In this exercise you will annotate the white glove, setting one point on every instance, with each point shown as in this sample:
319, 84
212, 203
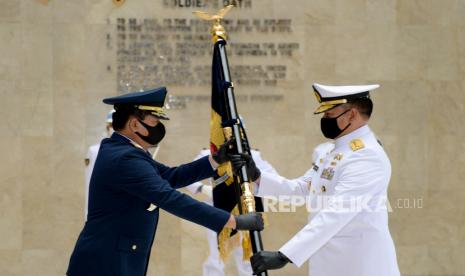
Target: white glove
207, 190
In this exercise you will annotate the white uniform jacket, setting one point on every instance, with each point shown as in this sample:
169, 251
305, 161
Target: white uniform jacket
91, 156
348, 232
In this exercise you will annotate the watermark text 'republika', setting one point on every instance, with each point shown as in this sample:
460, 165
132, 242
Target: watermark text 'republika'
339, 203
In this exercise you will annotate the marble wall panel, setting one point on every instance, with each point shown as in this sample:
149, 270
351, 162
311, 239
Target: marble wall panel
411, 52
37, 53
36, 114
95, 110
11, 11
413, 260
66, 12
69, 109
351, 52
166, 251
425, 12
102, 66
353, 13
381, 47
35, 177
442, 57
381, 12
98, 11
459, 37
10, 262
39, 12
319, 59
44, 262
194, 239
10, 127
69, 39
289, 224
320, 13
446, 260
10, 218
10, 64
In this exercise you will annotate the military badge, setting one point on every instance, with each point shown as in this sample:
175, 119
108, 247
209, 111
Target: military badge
309, 184
327, 173
338, 156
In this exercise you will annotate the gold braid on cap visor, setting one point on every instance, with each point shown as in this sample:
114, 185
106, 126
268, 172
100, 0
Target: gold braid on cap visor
156, 109
329, 104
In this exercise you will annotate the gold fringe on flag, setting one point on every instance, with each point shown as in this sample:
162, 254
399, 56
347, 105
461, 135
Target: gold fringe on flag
226, 242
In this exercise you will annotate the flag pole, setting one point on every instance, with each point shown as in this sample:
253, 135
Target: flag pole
247, 203
247, 195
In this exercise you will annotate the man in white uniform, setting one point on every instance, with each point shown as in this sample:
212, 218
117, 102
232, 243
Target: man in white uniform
91, 155
349, 234
214, 266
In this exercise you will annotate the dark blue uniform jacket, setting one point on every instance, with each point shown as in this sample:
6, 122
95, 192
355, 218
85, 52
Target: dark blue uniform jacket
119, 232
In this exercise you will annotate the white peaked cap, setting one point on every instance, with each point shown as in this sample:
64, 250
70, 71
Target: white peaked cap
110, 116
331, 96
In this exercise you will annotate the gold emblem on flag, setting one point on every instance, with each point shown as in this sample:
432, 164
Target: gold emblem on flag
217, 29
118, 3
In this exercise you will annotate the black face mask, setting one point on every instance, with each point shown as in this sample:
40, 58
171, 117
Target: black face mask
330, 128
156, 133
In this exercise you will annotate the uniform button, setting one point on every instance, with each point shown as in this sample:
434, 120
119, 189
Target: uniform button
134, 247
323, 189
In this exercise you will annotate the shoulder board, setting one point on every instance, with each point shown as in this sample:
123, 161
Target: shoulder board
356, 144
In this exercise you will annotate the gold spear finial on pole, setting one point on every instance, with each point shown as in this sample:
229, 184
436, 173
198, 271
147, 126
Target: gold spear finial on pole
217, 29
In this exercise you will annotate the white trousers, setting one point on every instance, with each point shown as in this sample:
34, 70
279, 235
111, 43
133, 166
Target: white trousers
214, 266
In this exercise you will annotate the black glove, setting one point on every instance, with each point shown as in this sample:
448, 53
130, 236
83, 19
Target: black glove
251, 221
222, 154
265, 260
239, 160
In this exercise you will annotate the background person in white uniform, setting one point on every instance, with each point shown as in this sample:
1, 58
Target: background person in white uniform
213, 265
91, 155
349, 234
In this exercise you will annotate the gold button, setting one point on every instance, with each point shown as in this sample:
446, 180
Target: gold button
134, 247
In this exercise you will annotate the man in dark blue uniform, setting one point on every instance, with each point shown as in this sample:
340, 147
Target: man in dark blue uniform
128, 187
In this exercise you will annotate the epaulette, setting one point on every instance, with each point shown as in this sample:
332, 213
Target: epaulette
356, 144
